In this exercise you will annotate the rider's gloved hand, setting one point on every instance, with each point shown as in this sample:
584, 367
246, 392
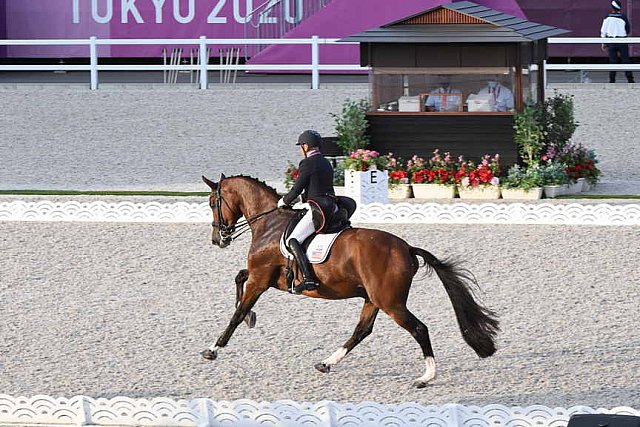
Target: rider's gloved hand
281, 203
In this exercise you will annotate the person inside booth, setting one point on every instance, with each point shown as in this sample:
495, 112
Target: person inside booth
444, 98
500, 96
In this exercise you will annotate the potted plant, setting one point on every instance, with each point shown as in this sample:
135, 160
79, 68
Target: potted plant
580, 165
589, 170
365, 178
290, 175
529, 135
436, 179
554, 179
479, 181
351, 125
558, 120
338, 173
522, 183
399, 187
363, 160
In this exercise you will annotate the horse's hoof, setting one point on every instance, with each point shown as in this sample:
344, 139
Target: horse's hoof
209, 354
421, 384
323, 367
250, 320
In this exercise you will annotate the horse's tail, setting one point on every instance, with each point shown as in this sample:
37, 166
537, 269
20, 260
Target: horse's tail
478, 324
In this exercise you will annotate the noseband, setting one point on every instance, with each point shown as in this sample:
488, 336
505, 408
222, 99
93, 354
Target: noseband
229, 233
225, 231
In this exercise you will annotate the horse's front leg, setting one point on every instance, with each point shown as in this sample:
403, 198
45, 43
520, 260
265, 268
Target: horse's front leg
249, 298
241, 278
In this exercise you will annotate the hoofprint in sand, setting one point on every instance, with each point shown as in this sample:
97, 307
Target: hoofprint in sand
104, 310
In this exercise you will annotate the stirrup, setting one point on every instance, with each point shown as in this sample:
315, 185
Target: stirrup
306, 285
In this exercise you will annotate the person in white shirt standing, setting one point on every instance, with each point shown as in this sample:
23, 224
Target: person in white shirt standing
617, 25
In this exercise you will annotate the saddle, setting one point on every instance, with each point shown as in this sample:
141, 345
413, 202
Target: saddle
330, 217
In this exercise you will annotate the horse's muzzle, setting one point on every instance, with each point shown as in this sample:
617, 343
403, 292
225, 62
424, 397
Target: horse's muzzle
222, 243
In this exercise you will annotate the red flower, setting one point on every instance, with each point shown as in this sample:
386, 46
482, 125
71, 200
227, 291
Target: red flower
398, 176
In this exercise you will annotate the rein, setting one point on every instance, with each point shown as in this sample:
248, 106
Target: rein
230, 233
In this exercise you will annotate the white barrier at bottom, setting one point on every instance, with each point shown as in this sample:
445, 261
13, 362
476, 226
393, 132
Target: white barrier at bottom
123, 411
400, 213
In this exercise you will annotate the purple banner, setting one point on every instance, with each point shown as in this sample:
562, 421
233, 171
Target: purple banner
3, 27
69, 19
124, 19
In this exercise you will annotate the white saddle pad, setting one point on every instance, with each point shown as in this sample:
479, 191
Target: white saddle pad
318, 249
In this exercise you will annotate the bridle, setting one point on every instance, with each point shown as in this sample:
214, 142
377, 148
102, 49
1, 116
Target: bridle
229, 233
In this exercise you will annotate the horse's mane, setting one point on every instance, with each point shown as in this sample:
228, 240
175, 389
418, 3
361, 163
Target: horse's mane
262, 184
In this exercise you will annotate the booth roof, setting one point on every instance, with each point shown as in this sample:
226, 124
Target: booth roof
496, 27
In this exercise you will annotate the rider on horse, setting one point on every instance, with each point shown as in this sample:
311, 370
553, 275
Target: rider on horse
315, 183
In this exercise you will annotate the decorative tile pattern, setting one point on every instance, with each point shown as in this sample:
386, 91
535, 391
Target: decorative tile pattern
502, 213
104, 211
411, 213
123, 411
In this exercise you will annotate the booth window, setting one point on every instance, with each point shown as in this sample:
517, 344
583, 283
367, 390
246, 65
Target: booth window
450, 90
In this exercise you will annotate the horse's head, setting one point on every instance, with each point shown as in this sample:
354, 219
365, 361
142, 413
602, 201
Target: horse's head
225, 213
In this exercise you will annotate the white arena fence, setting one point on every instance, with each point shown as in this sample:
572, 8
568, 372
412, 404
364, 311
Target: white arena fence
123, 411
396, 213
590, 67
203, 65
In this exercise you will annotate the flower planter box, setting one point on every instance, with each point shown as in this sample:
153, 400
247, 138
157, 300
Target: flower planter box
553, 191
520, 194
575, 187
489, 192
588, 187
585, 185
433, 191
400, 191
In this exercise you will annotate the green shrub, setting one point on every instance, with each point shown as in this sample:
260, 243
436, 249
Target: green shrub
558, 120
554, 174
523, 178
529, 135
351, 125
338, 173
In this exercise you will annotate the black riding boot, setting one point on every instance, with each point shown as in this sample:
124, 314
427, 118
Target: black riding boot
309, 281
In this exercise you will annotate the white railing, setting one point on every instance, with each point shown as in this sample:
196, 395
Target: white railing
601, 214
203, 66
157, 412
590, 67
203, 42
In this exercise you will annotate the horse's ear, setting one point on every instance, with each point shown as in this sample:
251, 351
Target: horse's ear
210, 183
222, 176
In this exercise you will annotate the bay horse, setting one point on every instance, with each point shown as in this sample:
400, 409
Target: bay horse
349, 272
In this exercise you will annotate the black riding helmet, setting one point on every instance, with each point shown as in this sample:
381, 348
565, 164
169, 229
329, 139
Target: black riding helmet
310, 137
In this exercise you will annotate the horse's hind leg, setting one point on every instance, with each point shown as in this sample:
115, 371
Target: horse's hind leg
403, 317
363, 329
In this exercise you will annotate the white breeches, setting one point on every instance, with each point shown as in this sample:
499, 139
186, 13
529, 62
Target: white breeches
304, 228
